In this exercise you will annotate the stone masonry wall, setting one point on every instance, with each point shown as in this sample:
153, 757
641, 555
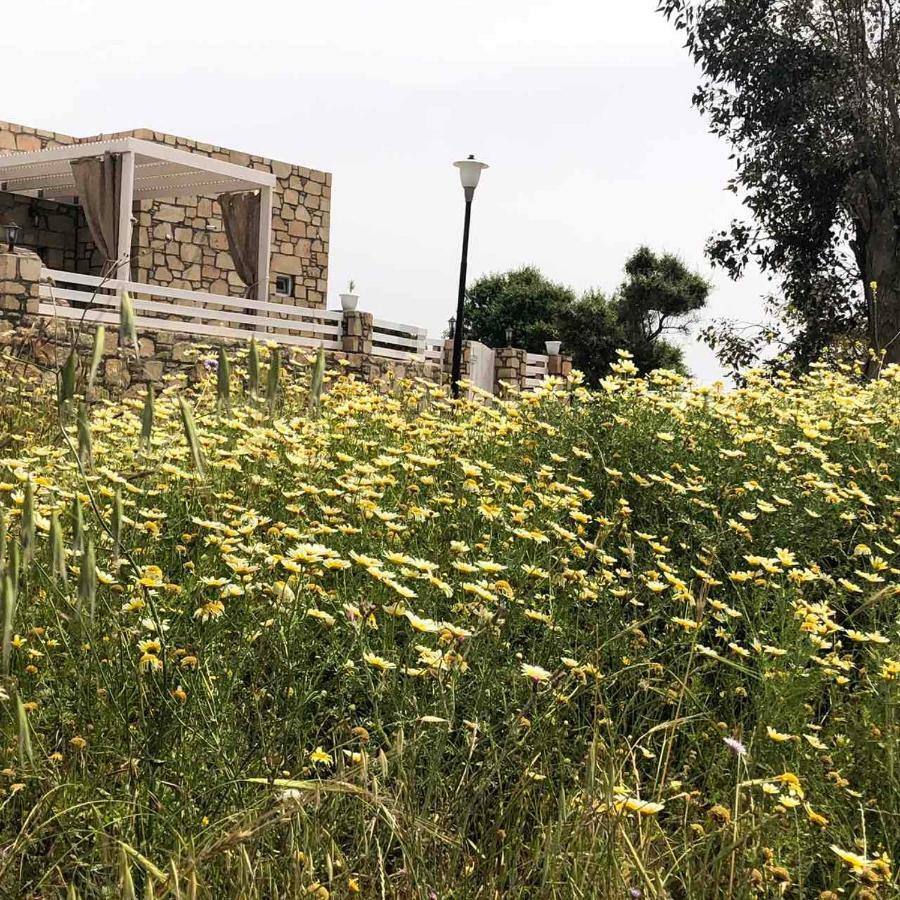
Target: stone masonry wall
47, 227
181, 242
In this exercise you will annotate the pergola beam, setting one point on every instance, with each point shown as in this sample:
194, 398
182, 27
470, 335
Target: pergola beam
126, 205
264, 248
149, 171
156, 164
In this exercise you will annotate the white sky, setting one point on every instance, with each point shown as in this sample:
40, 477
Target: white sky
581, 107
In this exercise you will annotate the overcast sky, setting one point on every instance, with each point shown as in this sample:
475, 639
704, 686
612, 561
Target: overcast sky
581, 107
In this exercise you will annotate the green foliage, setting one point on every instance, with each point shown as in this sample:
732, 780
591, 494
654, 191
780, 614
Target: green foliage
573, 644
591, 333
658, 297
806, 95
523, 300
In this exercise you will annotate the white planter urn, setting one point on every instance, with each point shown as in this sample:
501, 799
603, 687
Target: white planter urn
552, 347
349, 301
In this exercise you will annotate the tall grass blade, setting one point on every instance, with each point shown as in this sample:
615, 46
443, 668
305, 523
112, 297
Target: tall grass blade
147, 418
85, 444
24, 729
190, 433
57, 551
9, 613
274, 377
77, 526
253, 369
146, 864
96, 355
14, 565
67, 379
126, 883
318, 379
223, 382
127, 328
28, 533
116, 525
87, 580
2, 541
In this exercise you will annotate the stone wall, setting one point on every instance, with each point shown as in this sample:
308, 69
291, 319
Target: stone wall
47, 227
180, 242
38, 345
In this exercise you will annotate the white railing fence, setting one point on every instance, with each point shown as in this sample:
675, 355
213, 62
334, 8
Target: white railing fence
194, 312
87, 298
535, 369
396, 341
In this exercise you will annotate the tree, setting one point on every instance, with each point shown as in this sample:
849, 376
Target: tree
591, 333
658, 297
806, 93
522, 300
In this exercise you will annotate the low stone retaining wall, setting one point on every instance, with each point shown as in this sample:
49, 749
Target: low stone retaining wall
36, 346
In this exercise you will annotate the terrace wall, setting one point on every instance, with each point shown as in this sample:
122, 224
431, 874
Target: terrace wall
36, 344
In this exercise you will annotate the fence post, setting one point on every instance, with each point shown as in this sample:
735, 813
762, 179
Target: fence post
356, 336
510, 369
558, 364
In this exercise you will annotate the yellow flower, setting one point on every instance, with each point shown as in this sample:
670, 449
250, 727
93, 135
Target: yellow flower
854, 860
150, 662
815, 818
641, 807
211, 610
320, 756
378, 662
535, 673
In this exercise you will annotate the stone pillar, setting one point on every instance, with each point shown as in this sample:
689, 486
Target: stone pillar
558, 364
20, 282
510, 368
356, 336
464, 363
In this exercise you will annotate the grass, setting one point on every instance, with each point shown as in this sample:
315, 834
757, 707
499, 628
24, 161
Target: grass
367, 641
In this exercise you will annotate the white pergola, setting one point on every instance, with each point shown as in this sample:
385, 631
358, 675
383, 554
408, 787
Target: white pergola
149, 171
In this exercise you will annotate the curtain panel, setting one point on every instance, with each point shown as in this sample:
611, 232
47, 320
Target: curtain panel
99, 184
240, 213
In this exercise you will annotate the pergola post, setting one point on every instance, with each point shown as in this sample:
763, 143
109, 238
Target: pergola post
265, 242
126, 205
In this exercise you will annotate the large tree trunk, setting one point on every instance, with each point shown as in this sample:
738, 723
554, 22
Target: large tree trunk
877, 250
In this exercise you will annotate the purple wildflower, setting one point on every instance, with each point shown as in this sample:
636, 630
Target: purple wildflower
735, 746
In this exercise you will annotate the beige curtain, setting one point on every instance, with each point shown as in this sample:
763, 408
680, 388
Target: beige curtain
240, 213
99, 184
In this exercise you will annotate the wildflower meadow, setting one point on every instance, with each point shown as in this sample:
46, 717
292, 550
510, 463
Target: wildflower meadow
286, 634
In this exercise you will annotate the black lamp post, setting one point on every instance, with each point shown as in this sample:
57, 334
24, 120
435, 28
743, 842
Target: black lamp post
469, 173
12, 235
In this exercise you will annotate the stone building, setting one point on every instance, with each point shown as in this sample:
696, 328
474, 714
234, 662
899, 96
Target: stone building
181, 241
